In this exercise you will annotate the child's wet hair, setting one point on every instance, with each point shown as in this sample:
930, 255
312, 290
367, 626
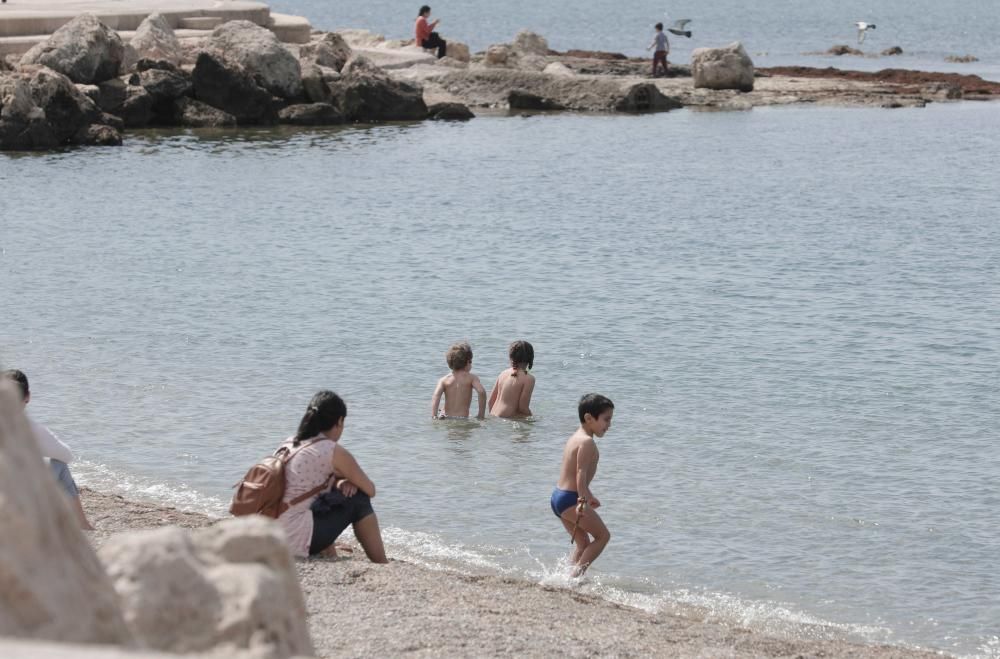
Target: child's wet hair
521, 352
325, 410
21, 379
459, 356
594, 405
659, 26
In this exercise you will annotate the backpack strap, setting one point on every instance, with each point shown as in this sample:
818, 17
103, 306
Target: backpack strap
319, 488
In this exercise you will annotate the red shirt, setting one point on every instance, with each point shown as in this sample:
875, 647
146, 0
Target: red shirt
423, 30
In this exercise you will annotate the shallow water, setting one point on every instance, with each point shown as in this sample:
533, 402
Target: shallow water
794, 309
775, 33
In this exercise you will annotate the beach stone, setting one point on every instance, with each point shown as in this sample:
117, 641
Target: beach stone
529, 43
227, 588
228, 87
889, 52
722, 68
459, 51
85, 50
365, 93
330, 50
499, 55
155, 39
195, 114
259, 52
449, 112
311, 114
843, 49
52, 586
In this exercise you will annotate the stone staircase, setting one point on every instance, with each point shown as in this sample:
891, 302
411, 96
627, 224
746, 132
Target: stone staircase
24, 23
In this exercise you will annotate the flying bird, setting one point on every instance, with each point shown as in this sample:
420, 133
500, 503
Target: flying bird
863, 30
678, 28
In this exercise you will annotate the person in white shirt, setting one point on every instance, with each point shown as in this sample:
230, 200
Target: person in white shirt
55, 452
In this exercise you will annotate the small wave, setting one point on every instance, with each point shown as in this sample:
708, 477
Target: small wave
101, 477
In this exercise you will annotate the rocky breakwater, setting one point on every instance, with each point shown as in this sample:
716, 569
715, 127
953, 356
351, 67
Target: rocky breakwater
227, 590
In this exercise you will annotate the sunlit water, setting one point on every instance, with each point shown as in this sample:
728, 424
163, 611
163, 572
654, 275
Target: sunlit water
775, 32
795, 311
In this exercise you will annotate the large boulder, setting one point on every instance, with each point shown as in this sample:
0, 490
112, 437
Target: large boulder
645, 97
529, 43
228, 87
227, 588
329, 50
722, 68
85, 50
258, 50
365, 93
459, 51
449, 112
155, 39
310, 114
195, 114
52, 586
499, 55
316, 82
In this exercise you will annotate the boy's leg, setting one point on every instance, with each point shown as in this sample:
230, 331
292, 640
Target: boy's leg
590, 522
580, 537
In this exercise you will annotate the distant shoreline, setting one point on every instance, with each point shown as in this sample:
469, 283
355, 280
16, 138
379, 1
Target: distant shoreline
360, 609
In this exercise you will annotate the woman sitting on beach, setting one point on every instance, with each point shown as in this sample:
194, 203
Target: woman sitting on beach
314, 524
425, 35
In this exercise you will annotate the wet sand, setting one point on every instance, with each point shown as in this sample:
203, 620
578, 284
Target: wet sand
359, 609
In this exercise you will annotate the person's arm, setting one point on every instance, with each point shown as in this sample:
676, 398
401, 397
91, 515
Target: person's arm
494, 394
481, 393
435, 23
436, 400
652, 45
524, 402
50, 445
345, 466
585, 456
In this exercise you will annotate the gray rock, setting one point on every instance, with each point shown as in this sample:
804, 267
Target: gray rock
365, 93
195, 114
314, 84
155, 39
529, 43
99, 135
228, 587
722, 68
518, 99
137, 110
330, 50
111, 94
67, 110
165, 85
260, 53
311, 114
499, 55
359, 65
85, 50
228, 87
889, 52
646, 97
93, 92
844, 49
54, 587
459, 51
449, 112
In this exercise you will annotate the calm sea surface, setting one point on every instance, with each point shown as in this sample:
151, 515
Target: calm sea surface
795, 310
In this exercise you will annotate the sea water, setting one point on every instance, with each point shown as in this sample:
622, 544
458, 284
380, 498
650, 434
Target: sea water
795, 311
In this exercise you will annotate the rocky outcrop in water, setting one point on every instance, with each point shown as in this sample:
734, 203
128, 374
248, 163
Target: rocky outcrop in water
329, 50
366, 93
154, 39
85, 50
229, 87
961, 59
722, 68
260, 54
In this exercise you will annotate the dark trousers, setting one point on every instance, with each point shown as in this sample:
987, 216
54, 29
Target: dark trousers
435, 41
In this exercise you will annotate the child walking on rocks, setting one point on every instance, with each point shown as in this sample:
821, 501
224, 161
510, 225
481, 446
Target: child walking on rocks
662, 47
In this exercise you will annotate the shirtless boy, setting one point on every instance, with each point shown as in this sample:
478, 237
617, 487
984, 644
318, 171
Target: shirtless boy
457, 386
511, 395
572, 501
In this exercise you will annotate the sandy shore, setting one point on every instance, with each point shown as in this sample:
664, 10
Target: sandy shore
359, 609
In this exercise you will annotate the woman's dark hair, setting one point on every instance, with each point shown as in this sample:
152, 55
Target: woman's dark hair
521, 352
21, 379
659, 26
325, 410
594, 405
425, 9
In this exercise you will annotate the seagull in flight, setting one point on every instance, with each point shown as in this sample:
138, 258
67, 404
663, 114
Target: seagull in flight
863, 30
678, 28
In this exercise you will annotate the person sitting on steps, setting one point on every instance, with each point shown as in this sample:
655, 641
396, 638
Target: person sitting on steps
426, 37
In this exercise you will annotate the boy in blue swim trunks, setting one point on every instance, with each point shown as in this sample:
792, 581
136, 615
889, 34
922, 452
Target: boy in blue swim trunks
572, 501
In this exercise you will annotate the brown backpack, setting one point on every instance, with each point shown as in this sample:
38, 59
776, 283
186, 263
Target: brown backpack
262, 489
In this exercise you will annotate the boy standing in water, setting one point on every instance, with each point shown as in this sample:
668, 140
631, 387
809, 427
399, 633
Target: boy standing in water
662, 47
457, 386
572, 501
511, 396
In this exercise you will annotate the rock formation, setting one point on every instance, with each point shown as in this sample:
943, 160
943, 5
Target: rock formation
330, 50
722, 68
259, 52
529, 43
366, 93
228, 87
154, 39
52, 585
228, 587
85, 50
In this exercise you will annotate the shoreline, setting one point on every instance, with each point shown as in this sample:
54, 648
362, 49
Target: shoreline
406, 608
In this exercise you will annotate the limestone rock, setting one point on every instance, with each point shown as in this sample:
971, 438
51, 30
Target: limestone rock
311, 114
451, 63
226, 588
316, 82
259, 52
459, 51
449, 112
155, 39
645, 97
362, 38
195, 114
111, 94
85, 50
722, 68
165, 85
365, 93
532, 63
499, 55
558, 69
53, 586
137, 108
99, 135
359, 65
330, 50
529, 43
228, 87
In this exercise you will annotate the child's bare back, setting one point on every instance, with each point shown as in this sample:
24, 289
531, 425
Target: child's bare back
457, 386
511, 396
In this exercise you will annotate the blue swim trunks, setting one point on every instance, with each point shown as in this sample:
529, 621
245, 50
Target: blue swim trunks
563, 499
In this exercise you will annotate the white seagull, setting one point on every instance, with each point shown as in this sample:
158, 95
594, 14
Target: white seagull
863, 30
678, 28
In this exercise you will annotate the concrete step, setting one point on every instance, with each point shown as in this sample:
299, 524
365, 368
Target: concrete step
290, 29
21, 45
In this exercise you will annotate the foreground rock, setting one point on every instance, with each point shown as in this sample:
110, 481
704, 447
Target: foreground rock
722, 68
259, 52
228, 587
329, 50
85, 50
227, 86
51, 584
449, 112
367, 93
